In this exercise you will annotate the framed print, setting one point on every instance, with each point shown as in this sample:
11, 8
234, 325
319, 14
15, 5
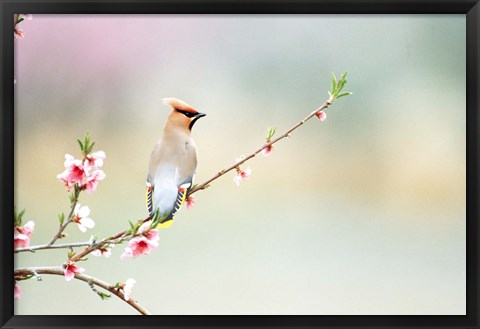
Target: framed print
270, 164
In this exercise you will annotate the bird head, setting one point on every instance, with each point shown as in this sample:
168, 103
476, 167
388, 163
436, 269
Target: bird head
183, 115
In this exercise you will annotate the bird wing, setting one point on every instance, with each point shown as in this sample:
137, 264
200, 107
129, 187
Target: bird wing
183, 190
149, 199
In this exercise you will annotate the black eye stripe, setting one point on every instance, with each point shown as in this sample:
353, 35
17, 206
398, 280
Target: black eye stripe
187, 114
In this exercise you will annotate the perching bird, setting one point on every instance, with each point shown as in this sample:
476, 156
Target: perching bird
173, 162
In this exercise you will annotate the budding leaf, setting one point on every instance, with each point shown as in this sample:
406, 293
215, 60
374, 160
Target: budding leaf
334, 83
342, 82
344, 94
80, 144
61, 218
90, 148
132, 227
103, 295
271, 132
72, 196
18, 217
70, 254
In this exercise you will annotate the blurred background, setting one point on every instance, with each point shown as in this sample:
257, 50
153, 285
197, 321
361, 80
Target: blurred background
361, 214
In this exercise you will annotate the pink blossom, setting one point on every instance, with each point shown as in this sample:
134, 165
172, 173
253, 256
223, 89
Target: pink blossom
145, 227
18, 33
80, 217
71, 269
21, 235
321, 115
93, 179
85, 173
242, 175
95, 160
17, 291
103, 251
190, 202
142, 244
127, 288
27, 16
138, 246
267, 151
29, 227
74, 172
20, 240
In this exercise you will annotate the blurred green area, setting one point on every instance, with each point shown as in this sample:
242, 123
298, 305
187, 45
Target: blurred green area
361, 214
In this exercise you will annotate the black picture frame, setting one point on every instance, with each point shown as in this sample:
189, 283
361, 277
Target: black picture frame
470, 8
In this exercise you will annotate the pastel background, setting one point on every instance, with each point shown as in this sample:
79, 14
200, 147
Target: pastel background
361, 214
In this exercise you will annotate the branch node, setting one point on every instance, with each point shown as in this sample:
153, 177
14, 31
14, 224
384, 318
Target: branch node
36, 275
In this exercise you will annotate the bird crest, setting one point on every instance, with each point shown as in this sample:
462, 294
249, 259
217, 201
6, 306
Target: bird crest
179, 105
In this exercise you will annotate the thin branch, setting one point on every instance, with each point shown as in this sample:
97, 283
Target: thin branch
23, 273
253, 154
55, 246
100, 244
69, 218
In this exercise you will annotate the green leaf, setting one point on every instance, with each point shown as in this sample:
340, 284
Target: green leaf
103, 295
86, 143
61, 218
20, 19
80, 144
344, 94
271, 132
72, 198
70, 254
17, 217
342, 82
90, 148
334, 83
132, 227
156, 216
20, 215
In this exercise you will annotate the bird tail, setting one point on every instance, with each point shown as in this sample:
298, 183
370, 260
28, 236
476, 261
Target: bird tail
149, 201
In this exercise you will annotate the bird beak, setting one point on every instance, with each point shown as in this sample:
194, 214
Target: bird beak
195, 118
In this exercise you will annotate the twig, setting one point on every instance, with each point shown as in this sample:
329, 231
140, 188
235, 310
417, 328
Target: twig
55, 246
23, 273
69, 218
253, 154
105, 241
